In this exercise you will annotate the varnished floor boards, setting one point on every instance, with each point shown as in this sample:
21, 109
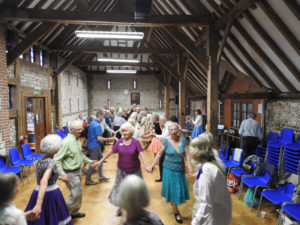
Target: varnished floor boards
100, 212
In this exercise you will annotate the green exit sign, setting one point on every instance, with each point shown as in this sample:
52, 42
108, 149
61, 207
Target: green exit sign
37, 92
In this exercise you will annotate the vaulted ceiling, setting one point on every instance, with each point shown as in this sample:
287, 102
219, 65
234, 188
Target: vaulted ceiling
259, 39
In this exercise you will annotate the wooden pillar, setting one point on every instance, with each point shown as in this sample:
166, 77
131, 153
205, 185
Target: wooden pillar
212, 83
183, 67
167, 93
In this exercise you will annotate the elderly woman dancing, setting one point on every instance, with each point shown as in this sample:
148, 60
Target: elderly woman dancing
174, 183
129, 150
213, 204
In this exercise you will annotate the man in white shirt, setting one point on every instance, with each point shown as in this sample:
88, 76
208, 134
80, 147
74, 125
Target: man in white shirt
251, 134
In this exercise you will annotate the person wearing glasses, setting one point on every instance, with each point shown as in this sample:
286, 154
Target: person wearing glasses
68, 160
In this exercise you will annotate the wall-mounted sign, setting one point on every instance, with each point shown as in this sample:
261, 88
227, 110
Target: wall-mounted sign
37, 92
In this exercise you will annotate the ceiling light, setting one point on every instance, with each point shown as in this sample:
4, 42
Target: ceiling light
121, 71
109, 34
118, 60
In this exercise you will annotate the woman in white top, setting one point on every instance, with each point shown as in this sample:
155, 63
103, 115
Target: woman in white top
198, 124
212, 200
9, 214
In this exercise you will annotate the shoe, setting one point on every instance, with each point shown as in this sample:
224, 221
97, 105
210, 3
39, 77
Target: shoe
119, 212
90, 182
103, 179
158, 180
178, 218
78, 215
104, 161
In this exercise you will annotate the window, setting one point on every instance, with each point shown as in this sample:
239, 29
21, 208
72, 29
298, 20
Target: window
12, 97
240, 111
77, 81
160, 103
134, 84
21, 56
31, 55
108, 87
78, 103
41, 58
108, 103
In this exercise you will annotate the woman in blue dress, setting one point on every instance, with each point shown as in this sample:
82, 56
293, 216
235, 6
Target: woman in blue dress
174, 183
198, 124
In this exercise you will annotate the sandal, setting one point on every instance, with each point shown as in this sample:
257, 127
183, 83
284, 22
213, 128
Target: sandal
178, 218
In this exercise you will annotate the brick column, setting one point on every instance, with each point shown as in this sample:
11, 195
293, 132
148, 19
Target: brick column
4, 111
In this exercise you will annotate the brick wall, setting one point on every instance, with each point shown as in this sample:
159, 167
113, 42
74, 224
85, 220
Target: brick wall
281, 114
149, 87
4, 113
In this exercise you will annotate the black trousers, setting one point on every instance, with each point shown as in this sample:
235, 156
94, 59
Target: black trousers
118, 134
161, 162
249, 146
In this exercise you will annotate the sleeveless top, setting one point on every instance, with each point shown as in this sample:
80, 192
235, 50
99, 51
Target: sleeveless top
173, 160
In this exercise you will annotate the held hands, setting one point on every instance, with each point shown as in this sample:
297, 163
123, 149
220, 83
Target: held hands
149, 169
37, 210
96, 163
30, 215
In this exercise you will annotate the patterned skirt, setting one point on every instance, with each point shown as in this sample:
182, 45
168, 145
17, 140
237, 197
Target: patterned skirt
197, 131
113, 196
155, 145
174, 186
54, 208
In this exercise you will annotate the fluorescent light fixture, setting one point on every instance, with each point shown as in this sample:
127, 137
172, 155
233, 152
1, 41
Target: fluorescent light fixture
121, 71
109, 34
118, 60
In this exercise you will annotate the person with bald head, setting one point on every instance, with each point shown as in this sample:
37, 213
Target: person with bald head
68, 160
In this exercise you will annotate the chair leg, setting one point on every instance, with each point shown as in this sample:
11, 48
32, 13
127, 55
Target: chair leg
21, 176
24, 167
279, 219
253, 198
261, 197
240, 189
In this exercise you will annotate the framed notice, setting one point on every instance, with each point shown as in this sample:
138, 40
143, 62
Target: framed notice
135, 98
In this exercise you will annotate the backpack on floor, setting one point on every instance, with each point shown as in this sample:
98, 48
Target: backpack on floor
232, 183
249, 197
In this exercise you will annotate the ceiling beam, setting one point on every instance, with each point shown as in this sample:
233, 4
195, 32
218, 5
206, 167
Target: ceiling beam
96, 63
97, 18
113, 49
237, 9
223, 41
284, 30
165, 65
198, 55
258, 95
29, 41
294, 7
68, 63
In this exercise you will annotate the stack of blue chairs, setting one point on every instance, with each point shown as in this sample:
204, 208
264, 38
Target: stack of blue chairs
292, 156
62, 133
261, 151
286, 137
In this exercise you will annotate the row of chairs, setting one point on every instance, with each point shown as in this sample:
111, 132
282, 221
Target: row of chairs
17, 164
282, 195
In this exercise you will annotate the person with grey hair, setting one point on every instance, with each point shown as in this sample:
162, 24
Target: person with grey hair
213, 203
47, 192
118, 121
251, 135
9, 214
130, 152
174, 183
68, 160
133, 197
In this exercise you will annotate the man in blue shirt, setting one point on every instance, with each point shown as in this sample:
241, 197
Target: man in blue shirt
94, 141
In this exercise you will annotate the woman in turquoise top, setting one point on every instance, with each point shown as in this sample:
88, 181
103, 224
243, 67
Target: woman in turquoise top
174, 183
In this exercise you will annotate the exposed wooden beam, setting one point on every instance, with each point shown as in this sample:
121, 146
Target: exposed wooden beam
183, 69
68, 63
223, 41
112, 49
198, 55
97, 18
237, 9
167, 79
165, 65
284, 30
29, 41
96, 63
149, 34
264, 57
258, 95
294, 7
267, 38
195, 98
82, 4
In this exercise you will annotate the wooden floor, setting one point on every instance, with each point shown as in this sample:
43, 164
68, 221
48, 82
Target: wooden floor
100, 212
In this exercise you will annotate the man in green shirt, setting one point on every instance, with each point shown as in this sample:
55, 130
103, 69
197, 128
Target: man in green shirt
69, 159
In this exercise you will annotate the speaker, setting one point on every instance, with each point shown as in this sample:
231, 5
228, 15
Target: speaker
142, 9
176, 99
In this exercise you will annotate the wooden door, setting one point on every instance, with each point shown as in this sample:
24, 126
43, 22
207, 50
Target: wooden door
39, 121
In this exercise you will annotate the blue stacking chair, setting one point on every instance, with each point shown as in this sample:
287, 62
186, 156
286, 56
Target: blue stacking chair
292, 209
225, 148
240, 172
62, 133
254, 182
15, 160
27, 154
10, 169
292, 156
235, 160
277, 196
272, 137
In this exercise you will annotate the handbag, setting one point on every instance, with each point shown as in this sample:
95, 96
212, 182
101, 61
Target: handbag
248, 168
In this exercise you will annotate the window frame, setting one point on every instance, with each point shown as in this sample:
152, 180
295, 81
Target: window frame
237, 120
